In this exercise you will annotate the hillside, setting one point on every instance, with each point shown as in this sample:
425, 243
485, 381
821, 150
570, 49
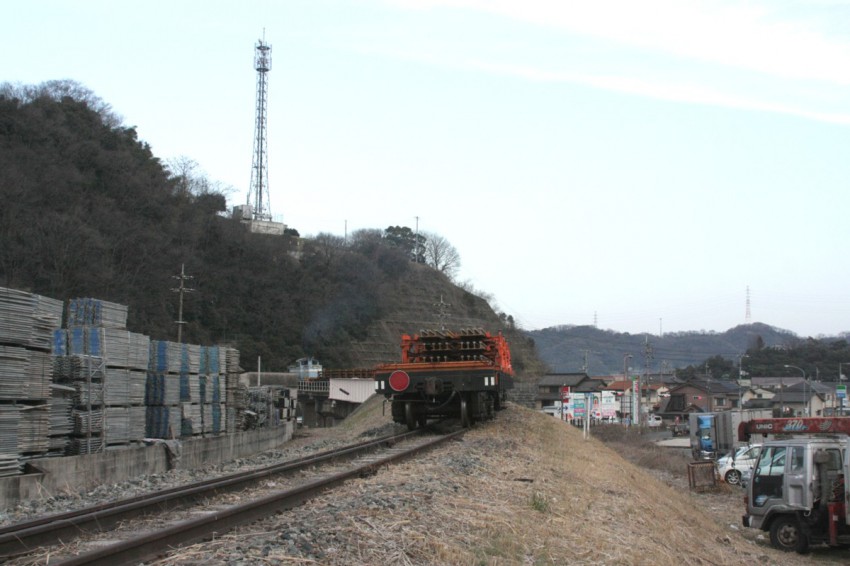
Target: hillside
563, 348
89, 211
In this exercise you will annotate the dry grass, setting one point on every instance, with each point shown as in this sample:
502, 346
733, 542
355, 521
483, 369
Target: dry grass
525, 490
540, 495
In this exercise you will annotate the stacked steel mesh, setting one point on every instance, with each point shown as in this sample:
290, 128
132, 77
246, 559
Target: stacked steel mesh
93, 385
27, 322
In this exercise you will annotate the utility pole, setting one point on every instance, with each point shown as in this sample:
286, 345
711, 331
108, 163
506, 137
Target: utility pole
182, 289
740, 380
585, 366
647, 360
627, 357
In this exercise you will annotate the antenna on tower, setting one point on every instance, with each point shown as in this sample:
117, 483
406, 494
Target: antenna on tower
258, 193
748, 318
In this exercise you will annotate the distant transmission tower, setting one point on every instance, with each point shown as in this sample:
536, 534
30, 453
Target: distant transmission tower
258, 193
748, 318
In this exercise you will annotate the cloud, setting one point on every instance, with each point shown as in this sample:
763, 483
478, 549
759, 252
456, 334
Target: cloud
774, 57
664, 90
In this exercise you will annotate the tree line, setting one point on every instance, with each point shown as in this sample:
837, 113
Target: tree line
89, 211
816, 359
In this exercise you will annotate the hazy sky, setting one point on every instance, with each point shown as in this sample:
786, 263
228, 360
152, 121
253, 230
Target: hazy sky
637, 164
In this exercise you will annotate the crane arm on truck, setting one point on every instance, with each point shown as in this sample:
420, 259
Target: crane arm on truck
804, 425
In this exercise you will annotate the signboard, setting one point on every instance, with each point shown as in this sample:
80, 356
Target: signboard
841, 391
608, 404
565, 393
579, 407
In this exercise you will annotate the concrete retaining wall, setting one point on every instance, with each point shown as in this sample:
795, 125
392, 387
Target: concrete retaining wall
49, 477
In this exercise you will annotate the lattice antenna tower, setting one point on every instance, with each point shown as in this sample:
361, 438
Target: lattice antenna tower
748, 318
258, 193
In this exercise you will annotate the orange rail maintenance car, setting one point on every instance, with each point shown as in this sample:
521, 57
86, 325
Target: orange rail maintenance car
463, 374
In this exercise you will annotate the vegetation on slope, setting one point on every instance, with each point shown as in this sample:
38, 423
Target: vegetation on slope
767, 349
89, 211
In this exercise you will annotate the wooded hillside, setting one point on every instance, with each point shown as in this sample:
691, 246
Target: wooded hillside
767, 349
89, 211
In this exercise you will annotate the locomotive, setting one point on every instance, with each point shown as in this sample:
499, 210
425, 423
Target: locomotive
464, 374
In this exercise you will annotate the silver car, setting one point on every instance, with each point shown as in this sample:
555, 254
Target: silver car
733, 467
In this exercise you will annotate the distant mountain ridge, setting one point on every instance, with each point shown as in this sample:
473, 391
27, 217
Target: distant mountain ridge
601, 352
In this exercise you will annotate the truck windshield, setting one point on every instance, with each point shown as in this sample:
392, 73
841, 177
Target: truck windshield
768, 475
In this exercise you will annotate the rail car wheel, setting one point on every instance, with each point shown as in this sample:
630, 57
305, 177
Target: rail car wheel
466, 419
409, 416
422, 419
488, 409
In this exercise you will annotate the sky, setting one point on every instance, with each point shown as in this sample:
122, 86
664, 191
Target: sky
642, 166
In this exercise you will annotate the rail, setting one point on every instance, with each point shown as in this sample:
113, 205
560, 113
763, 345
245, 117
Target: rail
213, 524
22, 538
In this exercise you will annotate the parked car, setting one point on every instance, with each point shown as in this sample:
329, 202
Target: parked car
654, 421
734, 467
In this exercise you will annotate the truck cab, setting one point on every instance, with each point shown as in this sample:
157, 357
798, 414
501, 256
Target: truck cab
797, 494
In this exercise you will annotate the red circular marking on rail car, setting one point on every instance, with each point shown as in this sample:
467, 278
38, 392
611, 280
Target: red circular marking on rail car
399, 380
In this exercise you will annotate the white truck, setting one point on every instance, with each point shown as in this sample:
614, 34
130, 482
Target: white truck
797, 491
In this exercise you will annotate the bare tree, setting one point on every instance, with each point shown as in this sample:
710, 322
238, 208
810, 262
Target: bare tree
441, 255
328, 247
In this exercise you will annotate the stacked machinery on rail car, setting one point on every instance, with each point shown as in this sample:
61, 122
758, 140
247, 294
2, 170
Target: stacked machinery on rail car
463, 374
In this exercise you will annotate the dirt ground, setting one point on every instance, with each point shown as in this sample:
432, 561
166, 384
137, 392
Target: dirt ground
525, 489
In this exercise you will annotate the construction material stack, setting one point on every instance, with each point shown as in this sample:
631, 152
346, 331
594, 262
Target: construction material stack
106, 366
213, 413
27, 322
163, 417
463, 374
235, 393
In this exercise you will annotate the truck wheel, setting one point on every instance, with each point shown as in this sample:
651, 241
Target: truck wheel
787, 535
733, 477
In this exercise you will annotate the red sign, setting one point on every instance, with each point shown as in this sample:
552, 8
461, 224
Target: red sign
399, 380
565, 393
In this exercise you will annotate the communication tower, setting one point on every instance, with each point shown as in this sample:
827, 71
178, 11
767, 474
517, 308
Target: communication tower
258, 193
748, 317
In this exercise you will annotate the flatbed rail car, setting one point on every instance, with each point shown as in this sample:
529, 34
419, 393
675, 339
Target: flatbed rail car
442, 373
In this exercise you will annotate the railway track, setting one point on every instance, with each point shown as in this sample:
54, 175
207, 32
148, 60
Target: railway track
148, 527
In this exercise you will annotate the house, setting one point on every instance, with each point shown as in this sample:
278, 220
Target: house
651, 396
805, 399
775, 383
702, 396
550, 386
